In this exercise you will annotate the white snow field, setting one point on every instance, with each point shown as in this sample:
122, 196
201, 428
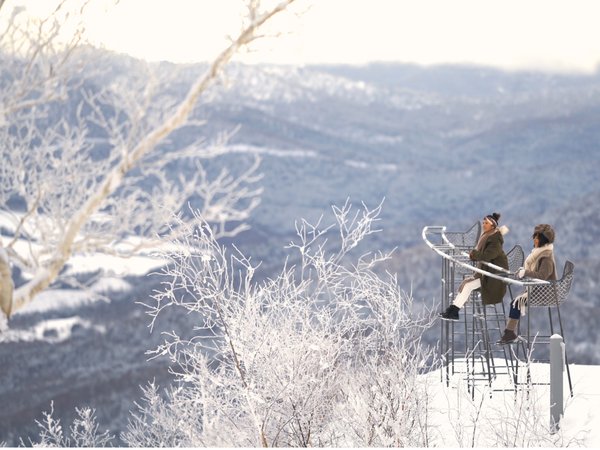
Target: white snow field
482, 420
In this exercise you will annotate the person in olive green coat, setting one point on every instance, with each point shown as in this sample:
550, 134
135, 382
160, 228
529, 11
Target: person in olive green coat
488, 249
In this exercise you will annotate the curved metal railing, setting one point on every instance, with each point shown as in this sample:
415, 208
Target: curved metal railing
447, 250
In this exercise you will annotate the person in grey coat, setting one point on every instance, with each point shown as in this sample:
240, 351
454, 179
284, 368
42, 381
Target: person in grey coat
539, 264
488, 249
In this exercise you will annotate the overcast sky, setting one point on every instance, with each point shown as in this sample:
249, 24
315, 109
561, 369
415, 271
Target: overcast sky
545, 34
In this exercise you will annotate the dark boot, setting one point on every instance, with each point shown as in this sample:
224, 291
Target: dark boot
451, 313
508, 337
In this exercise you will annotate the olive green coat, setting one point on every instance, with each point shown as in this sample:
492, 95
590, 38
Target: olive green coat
492, 290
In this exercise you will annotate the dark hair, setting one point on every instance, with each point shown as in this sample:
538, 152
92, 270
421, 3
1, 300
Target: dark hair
541, 238
494, 218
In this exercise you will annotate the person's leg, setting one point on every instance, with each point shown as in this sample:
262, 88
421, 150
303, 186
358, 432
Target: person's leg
513, 317
451, 312
510, 333
463, 296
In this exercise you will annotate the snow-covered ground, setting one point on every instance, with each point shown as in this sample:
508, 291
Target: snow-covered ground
462, 420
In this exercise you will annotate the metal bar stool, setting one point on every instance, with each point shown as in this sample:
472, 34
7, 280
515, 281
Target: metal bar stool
551, 295
452, 275
489, 318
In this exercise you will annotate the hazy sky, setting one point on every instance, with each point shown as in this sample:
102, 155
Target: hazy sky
555, 34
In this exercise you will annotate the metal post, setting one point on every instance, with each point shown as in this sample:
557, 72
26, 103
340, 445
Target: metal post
557, 365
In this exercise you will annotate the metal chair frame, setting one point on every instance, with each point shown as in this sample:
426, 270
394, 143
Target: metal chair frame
489, 314
550, 296
453, 243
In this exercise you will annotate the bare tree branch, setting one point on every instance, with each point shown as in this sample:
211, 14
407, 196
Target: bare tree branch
325, 354
74, 201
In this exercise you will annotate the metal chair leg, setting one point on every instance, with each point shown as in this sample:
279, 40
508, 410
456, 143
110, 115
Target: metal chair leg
566, 357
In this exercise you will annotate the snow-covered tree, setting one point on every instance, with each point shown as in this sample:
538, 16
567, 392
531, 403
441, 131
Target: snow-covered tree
327, 353
82, 433
88, 165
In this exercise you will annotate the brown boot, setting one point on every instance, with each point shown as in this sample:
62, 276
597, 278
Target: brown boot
508, 337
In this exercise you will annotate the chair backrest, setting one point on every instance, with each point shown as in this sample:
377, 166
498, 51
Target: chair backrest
555, 293
516, 258
465, 239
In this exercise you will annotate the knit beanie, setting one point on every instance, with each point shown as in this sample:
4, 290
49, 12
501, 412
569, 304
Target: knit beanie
493, 218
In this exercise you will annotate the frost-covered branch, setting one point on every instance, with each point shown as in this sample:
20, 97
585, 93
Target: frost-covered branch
291, 360
83, 431
96, 166
45, 65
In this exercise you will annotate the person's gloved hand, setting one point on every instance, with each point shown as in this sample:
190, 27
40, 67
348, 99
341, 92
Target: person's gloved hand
472, 255
520, 273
